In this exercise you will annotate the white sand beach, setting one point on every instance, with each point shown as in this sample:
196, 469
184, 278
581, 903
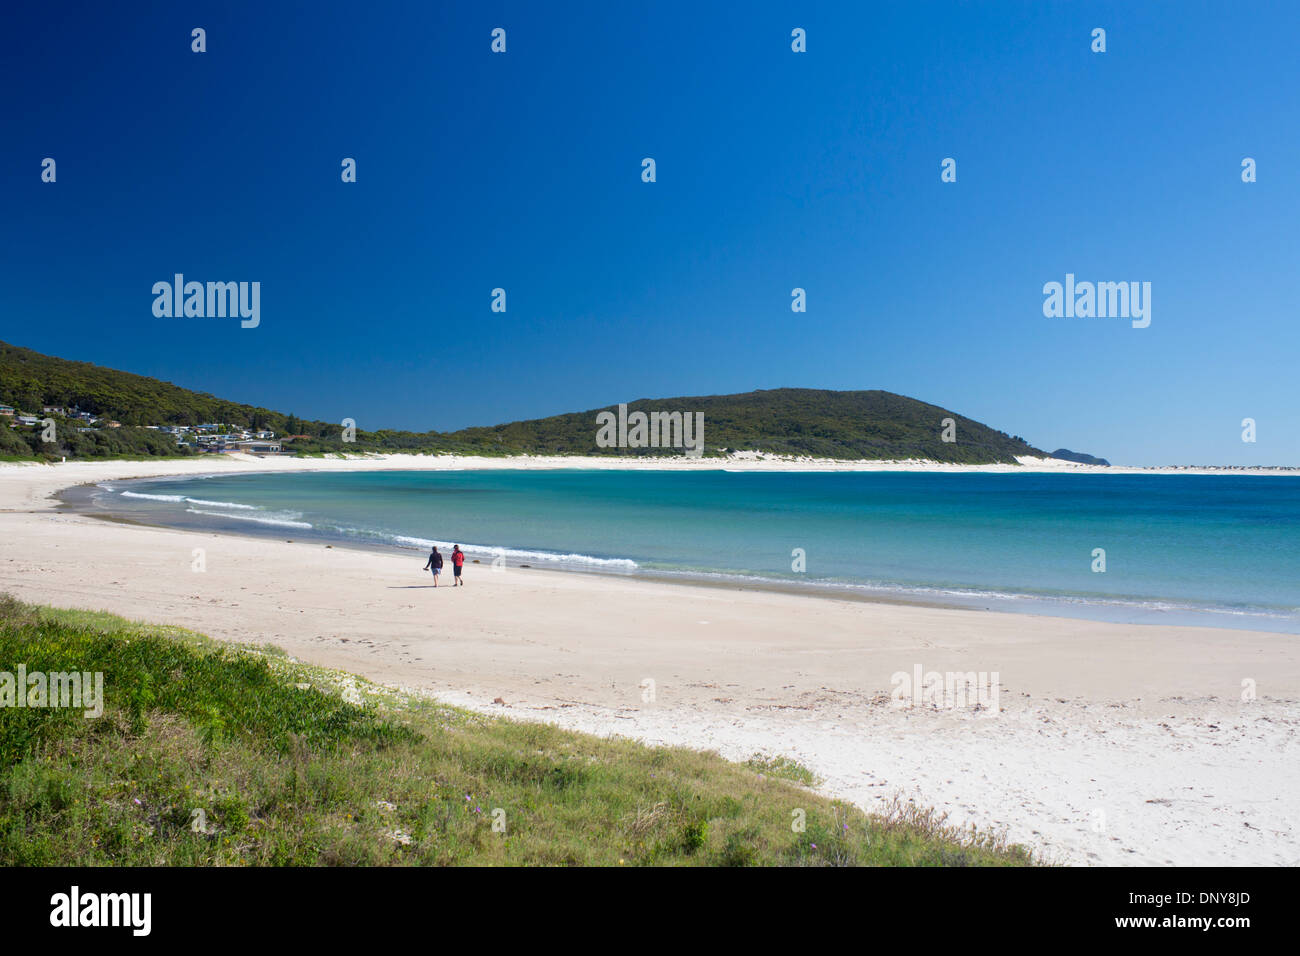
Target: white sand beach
1114, 744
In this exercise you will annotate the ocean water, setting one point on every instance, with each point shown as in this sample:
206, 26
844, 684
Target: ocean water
1219, 550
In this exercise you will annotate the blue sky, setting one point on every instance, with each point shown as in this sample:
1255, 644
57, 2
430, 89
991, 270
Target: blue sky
776, 170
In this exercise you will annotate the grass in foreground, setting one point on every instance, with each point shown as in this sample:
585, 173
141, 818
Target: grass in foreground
208, 754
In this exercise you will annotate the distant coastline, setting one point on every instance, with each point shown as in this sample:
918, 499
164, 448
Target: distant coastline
237, 463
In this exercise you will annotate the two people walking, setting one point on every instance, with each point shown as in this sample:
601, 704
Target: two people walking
434, 564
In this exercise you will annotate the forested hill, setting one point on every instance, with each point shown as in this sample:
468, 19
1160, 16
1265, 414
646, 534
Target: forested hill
29, 380
789, 421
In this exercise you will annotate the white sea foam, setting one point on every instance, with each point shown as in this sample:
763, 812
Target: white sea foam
192, 501
260, 519
518, 554
287, 520
223, 504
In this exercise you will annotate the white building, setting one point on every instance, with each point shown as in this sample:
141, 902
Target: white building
258, 447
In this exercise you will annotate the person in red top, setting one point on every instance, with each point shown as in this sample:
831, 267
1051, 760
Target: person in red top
457, 562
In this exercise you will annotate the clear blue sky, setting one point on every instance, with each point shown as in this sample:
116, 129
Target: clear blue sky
775, 170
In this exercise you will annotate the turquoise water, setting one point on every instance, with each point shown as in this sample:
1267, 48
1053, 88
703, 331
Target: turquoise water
1212, 549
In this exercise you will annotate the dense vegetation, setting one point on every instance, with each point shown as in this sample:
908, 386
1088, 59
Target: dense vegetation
1066, 455
787, 421
124, 442
216, 755
30, 380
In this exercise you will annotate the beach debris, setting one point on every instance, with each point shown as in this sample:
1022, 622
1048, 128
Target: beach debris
499, 700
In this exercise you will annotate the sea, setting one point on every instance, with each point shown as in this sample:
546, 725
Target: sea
1150, 549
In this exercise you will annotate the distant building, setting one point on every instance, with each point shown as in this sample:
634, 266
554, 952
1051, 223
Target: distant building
258, 447
7, 410
27, 419
54, 410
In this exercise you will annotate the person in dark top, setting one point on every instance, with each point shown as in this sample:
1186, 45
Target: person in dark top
435, 564
457, 561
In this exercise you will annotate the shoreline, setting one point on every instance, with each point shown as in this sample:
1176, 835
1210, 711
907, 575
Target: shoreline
1142, 726
239, 463
1133, 612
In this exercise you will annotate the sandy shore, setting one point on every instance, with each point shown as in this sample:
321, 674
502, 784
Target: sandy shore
1113, 743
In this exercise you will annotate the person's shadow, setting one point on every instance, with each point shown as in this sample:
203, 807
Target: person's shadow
412, 587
